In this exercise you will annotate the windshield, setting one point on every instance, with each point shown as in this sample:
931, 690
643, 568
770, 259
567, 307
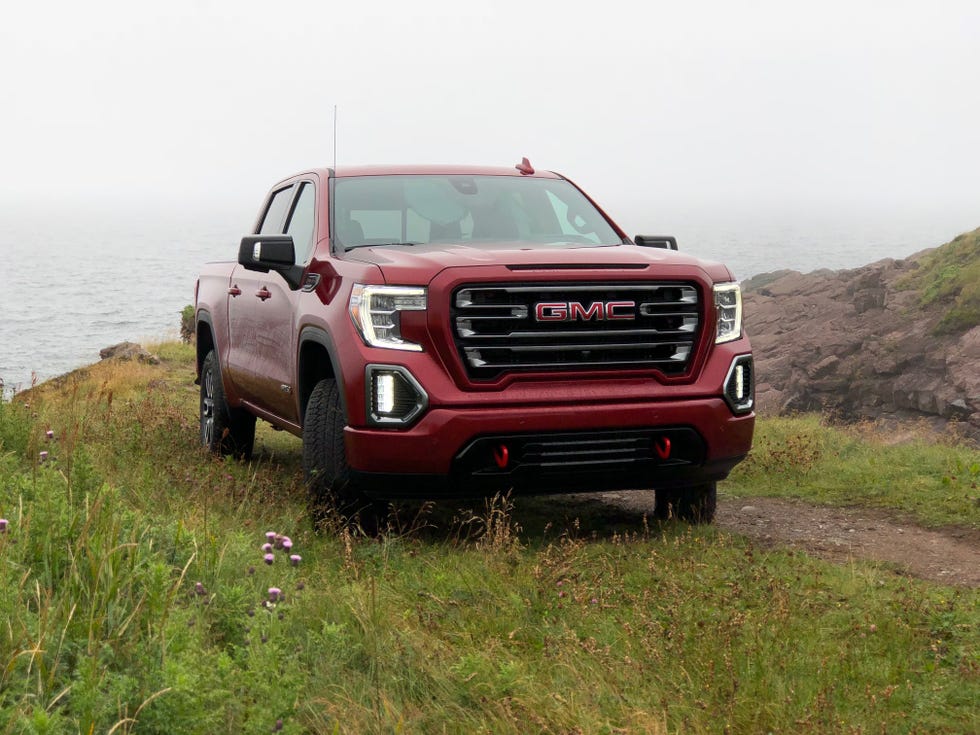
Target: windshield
384, 210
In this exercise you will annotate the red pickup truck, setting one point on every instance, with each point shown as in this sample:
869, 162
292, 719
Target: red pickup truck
443, 330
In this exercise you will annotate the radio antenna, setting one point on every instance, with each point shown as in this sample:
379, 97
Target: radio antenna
335, 137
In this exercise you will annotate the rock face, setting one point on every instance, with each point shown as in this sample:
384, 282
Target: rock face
857, 343
128, 351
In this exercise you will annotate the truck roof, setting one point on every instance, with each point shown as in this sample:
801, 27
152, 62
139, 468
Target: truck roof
431, 169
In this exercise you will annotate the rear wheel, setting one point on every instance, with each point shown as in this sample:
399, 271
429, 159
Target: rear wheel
223, 430
328, 476
694, 504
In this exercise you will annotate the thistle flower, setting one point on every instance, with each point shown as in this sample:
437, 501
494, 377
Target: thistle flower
271, 535
199, 589
287, 543
295, 559
49, 434
3, 525
278, 539
275, 594
266, 548
278, 726
268, 558
44, 456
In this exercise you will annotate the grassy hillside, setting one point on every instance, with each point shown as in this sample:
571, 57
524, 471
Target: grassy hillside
135, 597
932, 479
950, 276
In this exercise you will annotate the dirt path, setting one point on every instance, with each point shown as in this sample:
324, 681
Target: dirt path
947, 555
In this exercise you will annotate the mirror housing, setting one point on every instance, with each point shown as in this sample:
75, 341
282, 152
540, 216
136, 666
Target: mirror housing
667, 242
266, 253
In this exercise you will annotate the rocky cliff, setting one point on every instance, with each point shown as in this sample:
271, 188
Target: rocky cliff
897, 338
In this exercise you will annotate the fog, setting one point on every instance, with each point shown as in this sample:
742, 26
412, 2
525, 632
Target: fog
717, 107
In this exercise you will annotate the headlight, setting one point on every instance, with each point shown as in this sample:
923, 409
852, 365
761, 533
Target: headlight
376, 312
728, 307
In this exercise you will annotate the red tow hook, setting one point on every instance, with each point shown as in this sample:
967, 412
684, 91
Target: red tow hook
662, 447
501, 455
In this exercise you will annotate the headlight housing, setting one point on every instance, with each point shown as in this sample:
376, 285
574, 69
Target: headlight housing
376, 313
728, 309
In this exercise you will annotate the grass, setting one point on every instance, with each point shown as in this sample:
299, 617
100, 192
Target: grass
933, 479
135, 598
950, 276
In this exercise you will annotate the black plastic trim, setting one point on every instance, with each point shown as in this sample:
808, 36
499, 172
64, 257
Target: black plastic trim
320, 337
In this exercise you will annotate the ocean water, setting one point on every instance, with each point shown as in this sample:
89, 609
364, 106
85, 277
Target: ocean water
74, 284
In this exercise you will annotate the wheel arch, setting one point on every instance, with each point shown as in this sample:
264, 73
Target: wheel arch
317, 361
205, 340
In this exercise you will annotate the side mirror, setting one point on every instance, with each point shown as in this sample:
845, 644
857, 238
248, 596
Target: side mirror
667, 242
266, 253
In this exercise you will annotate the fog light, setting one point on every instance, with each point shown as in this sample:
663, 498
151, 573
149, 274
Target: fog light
394, 396
384, 389
739, 385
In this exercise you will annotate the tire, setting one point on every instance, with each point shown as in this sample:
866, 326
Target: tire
695, 504
223, 430
325, 468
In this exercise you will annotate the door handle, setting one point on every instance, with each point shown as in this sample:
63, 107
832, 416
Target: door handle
234, 291
263, 293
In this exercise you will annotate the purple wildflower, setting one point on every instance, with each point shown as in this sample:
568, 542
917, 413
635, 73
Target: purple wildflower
49, 434
44, 456
271, 535
3, 525
274, 594
295, 559
278, 726
266, 548
199, 589
287, 543
268, 558
593, 601
278, 540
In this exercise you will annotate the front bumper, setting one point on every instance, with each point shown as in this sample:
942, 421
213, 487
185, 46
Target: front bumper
600, 446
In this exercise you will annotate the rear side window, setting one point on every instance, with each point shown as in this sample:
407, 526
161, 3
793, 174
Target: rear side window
275, 214
301, 222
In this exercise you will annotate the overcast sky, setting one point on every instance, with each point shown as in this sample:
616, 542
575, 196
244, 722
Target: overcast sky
753, 104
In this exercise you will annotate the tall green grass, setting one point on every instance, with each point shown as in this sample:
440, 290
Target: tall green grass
932, 479
135, 598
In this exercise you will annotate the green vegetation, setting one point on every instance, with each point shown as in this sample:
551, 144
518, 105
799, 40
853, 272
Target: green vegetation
933, 481
951, 276
135, 597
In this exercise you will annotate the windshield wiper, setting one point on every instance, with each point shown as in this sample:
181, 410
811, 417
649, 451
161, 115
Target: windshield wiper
378, 245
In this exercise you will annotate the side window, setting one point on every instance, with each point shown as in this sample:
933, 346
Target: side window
301, 222
276, 213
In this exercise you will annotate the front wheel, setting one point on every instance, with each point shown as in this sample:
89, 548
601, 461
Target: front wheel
694, 504
223, 430
328, 476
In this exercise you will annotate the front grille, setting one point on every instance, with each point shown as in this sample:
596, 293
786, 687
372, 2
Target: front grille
579, 454
500, 328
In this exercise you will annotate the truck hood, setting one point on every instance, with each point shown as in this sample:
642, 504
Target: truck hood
419, 264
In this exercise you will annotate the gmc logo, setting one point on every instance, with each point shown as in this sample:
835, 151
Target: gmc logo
570, 311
